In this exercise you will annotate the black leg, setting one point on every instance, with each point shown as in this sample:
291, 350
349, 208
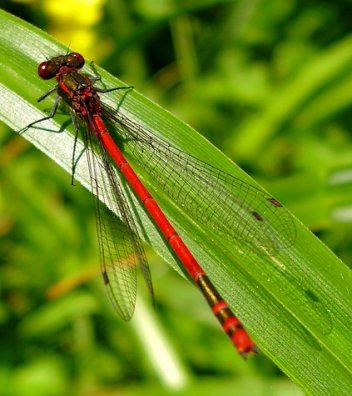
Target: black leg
74, 162
47, 94
51, 115
97, 77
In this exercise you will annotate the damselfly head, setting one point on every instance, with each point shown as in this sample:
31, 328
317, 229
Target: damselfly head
49, 68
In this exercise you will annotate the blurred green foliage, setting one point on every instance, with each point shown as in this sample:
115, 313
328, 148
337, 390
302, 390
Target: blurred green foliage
270, 84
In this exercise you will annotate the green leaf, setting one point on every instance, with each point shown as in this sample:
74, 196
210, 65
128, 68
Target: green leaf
57, 313
296, 304
312, 81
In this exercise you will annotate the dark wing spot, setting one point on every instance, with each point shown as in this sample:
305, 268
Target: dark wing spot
257, 216
275, 202
105, 278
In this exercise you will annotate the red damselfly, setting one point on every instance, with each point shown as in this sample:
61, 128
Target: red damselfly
238, 211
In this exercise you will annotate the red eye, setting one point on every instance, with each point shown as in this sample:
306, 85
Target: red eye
47, 70
74, 60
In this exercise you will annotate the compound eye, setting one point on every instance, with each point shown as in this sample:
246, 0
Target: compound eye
75, 60
47, 70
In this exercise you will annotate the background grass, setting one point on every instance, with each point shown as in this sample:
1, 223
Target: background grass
270, 85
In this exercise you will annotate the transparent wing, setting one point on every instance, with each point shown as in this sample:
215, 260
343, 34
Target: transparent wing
233, 209
240, 213
120, 246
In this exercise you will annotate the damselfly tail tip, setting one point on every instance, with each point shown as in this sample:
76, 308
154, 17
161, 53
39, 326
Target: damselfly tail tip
252, 349
244, 343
